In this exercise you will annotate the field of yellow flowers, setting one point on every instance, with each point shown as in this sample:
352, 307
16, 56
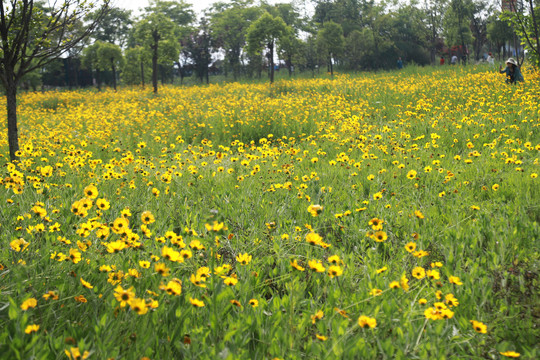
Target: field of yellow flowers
370, 216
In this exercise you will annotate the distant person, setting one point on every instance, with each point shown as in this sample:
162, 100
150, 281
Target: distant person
490, 59
453, 61
442, 60
399, 63
512, 71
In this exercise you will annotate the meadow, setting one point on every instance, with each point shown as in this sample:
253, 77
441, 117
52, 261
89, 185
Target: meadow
369, 216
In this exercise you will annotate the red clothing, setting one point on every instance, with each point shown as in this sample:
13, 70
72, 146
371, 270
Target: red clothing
442, 61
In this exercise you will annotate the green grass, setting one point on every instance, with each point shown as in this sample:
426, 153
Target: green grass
349, 144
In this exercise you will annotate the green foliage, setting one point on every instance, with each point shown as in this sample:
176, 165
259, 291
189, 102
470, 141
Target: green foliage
457, 23
264, 31
526, 24
109, 55
131, 72
229, 23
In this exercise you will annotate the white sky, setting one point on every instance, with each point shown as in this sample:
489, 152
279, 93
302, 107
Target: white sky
197, 5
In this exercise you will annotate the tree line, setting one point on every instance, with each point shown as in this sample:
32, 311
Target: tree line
243, 38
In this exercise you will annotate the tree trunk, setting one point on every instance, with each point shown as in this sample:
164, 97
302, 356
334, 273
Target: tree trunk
155, 69
76, 73
433, 50
113, 74
155, 62
142, 73
13, 132
98, 79
271, 46
331, 66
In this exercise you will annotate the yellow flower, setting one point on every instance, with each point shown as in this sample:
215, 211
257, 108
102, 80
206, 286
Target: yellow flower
243, 259
147, 217
418, 272
19, 245
411, 174
479, 327
31, 329
198, 280
138, 305
53, 295
410, 247
511, 354
321, 337
75, 354
376, 224
316, 265
317, 316
381, 270
294, 264
162, 269
433, 274
230, 281
86, 284
91, 192
171, 254
196, 302
123, 296
80, 298
334, 270
379, 236
367, 322
313, 238
455, 280
404, 282
254, 303
375, 292
103, 204
315, 210
173, 287
29, 303
116, 246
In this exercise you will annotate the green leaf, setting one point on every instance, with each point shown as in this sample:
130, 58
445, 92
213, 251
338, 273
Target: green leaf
13, 312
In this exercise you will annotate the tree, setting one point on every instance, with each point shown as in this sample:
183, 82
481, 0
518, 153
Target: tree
457, 24
136, 60
115, 26
330, 39
409, 34
353, 49
32, 36
289, 47
479, 19
499, 32
179, 12
265, 32
526, 23
434, 10
158, 34
198, 46
90, 61
110, 57
229, 23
